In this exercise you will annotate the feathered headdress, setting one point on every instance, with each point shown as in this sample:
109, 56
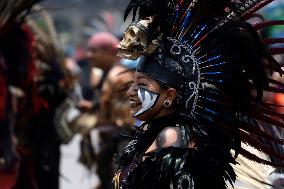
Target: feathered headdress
218, 64
12, 10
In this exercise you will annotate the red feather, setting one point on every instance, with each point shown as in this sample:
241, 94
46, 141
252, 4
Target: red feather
258, 6
3, 96
30, 85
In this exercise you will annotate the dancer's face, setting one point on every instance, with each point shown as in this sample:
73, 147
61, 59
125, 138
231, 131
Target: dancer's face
147, 97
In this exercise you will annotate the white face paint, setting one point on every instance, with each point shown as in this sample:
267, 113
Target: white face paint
148, 100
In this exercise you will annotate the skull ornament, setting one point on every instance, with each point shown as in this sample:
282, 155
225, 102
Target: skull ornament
137, 40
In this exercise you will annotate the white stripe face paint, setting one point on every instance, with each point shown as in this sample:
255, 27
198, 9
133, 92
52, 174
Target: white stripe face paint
148, 100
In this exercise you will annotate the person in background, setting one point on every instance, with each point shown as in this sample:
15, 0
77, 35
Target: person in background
110, 81
16, 81
38, 139
101, 54
113, 119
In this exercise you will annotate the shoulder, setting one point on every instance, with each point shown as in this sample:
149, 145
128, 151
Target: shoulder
170, 136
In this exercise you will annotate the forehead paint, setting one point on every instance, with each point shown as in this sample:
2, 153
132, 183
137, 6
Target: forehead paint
148, 100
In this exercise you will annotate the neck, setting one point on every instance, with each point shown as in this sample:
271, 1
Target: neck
164, 113
163, 120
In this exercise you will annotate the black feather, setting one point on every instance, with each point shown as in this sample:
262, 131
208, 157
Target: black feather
209, 168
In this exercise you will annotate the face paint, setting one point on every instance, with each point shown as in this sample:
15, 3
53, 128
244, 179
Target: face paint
148, 100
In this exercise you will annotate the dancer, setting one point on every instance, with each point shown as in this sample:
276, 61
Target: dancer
198, 87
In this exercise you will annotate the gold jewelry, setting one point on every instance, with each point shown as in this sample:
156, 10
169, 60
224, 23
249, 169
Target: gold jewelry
115, 179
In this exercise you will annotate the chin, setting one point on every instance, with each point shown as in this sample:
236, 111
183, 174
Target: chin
132, 112
141, 117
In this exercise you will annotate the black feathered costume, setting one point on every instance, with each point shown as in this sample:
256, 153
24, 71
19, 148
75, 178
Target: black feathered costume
220, 69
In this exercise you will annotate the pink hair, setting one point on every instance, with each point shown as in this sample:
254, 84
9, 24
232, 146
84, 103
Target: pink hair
103, 39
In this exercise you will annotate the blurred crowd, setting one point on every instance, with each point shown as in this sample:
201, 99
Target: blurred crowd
49, 94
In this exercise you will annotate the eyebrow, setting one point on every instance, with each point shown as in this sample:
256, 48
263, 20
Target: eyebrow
142, 77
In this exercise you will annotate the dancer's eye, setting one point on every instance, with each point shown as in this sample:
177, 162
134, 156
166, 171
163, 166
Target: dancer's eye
142, 84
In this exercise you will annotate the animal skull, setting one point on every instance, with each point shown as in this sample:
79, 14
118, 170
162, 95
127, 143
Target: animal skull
136, 41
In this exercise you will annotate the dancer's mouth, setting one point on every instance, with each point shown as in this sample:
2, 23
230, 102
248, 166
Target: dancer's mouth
134, 104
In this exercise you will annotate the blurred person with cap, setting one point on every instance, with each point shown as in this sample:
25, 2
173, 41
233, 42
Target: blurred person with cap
101, 54
102, 50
